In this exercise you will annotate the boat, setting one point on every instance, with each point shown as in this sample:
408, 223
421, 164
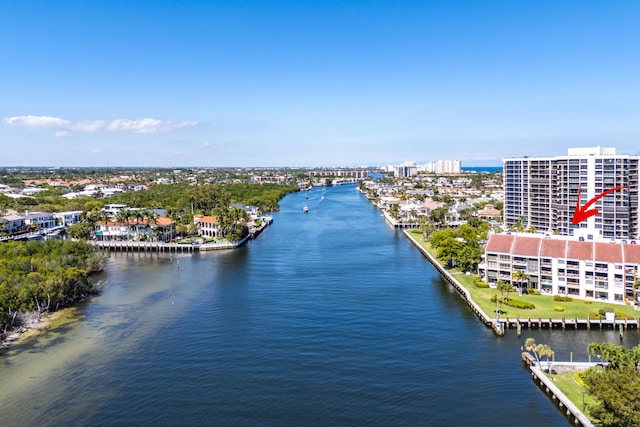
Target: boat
305, 209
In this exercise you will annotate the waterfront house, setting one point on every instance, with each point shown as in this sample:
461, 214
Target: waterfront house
160, 229
14, 223
113, 209
252, 211
42, 220
68, 218
208, 226
564, 265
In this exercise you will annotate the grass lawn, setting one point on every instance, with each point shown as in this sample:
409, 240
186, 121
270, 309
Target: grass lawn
574, 391
545, 305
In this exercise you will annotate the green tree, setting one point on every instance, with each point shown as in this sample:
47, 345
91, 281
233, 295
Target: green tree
617, 386
504, 287
394, 211
439, 216
80, 231
545, 350
520, 277
427, 226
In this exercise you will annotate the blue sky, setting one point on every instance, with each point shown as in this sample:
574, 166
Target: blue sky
314, 83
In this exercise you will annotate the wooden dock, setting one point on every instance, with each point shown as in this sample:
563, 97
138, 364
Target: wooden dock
132, 246
571, 323
172, 247
161, 247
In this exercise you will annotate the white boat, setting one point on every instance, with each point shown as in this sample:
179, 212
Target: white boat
305, 209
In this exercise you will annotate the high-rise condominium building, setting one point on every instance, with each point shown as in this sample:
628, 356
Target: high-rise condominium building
442, 166
543, 191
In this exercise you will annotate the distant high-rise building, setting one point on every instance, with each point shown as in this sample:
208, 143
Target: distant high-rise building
543, 191
406, 169
441, 166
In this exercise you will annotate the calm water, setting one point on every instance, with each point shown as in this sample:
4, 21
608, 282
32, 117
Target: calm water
328, 318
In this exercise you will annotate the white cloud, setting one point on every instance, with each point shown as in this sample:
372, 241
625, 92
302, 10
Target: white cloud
67, 128
35, 121
147, 125
88, 125
62, 133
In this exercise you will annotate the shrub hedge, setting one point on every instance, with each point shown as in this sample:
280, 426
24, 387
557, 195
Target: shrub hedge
519, 304
481, 284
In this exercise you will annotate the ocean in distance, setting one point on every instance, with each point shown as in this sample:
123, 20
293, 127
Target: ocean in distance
328, 318
490, 169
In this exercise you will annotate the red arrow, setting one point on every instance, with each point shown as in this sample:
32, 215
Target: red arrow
582, 213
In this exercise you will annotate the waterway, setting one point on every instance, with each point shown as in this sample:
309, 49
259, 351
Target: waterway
328, 318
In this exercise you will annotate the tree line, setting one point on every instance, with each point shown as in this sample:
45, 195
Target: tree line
42, 276
461, 246
615, 385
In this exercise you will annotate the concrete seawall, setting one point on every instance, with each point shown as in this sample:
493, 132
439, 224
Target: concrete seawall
571, 411
488, 321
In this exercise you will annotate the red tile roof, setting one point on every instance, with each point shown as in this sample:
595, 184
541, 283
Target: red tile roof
552, 248
608, 252
631, 254
500, 243
579, 250
525, 245
560, 248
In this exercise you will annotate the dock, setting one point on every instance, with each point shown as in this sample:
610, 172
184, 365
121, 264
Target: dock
174, 247
161, 247
571, 323
560, 400
399, 224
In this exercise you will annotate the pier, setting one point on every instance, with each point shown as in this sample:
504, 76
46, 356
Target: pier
173, 247
571, 323
398, 224
132, 246
562, 402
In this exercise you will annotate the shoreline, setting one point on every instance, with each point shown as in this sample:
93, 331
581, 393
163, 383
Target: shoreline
560, 400
34, 326
502, 324
464, 293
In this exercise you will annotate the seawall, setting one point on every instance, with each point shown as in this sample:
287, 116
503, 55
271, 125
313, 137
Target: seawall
488, 321
571, 411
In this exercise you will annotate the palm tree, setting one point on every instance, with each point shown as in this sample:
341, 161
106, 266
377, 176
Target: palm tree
530, 346
123, 217
545, 350
149, 217
394, 211
427, 226
503, 287
538, 351
519, 277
